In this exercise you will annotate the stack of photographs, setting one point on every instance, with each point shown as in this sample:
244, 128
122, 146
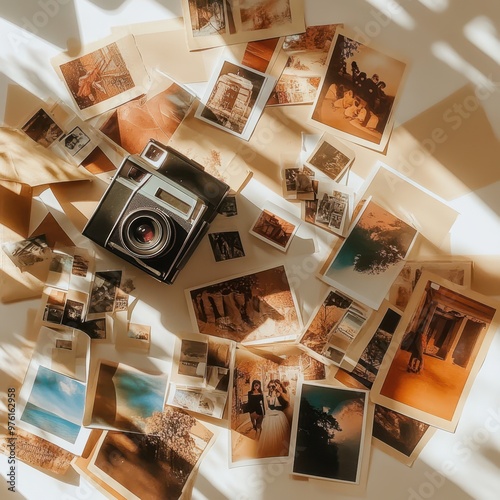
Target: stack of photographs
200, 377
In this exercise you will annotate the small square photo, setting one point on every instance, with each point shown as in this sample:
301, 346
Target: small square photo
226, 245
274, 230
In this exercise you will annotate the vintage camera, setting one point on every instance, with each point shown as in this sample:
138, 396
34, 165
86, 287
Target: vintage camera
156, 210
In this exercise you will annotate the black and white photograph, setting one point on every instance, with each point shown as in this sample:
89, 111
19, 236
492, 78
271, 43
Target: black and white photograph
193, 358
289, 176
26, 253
42, 128
104, 290
73, 314
331, 157
229, 207
333, 209
96, 329
235, 98
226, 245
359, 92
54, 307
75, 141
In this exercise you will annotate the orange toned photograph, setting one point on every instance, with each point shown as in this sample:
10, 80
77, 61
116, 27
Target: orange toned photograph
440, 349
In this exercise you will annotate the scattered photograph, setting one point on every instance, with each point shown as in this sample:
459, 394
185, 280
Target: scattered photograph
289, 176
333, 210
55, 405
331, 157
75, 141
64, 344
201, 374
103, 78
103, 292
80, 266
333, 326
226, 245
133, 124
275, 230
95, 329
226, 22
74, 313
359, 92
330, 430
123, 397
235, 98
139, 332
54, 308
458, 272
306, 183
205, 402
441, 343
60, 270
28, 252
229, 207
38, 452
371, 256
252, 308
157, 464
262, 402
306, 64
42, 128
193, 358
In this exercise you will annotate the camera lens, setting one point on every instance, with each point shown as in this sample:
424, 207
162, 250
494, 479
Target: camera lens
147, 233
143, 233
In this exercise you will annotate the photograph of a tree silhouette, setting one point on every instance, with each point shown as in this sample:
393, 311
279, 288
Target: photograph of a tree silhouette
378, 241
330, 430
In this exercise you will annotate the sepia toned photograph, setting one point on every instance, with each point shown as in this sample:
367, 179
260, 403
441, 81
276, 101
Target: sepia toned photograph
330, 433
28, 252
398, 435
193, 358
105, 74
80, 266
212, 23
273, 229
235, 98
204, 402
305, 66
331, 157
38, 452
226, 245
289, 176
60, 270
358, 93
371, 256
256, 308
136, 331
442, 343
74, 313
97, 76
42, 128
262, 402
133, 124
123, 397
157, 464
458, 272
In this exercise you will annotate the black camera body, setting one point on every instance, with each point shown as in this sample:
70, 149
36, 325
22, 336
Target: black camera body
156, 210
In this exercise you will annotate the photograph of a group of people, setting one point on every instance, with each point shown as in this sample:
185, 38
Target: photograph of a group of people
358, 92
263, 399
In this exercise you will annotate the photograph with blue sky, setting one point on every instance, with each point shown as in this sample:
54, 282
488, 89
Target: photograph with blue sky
125, 396
56, 404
